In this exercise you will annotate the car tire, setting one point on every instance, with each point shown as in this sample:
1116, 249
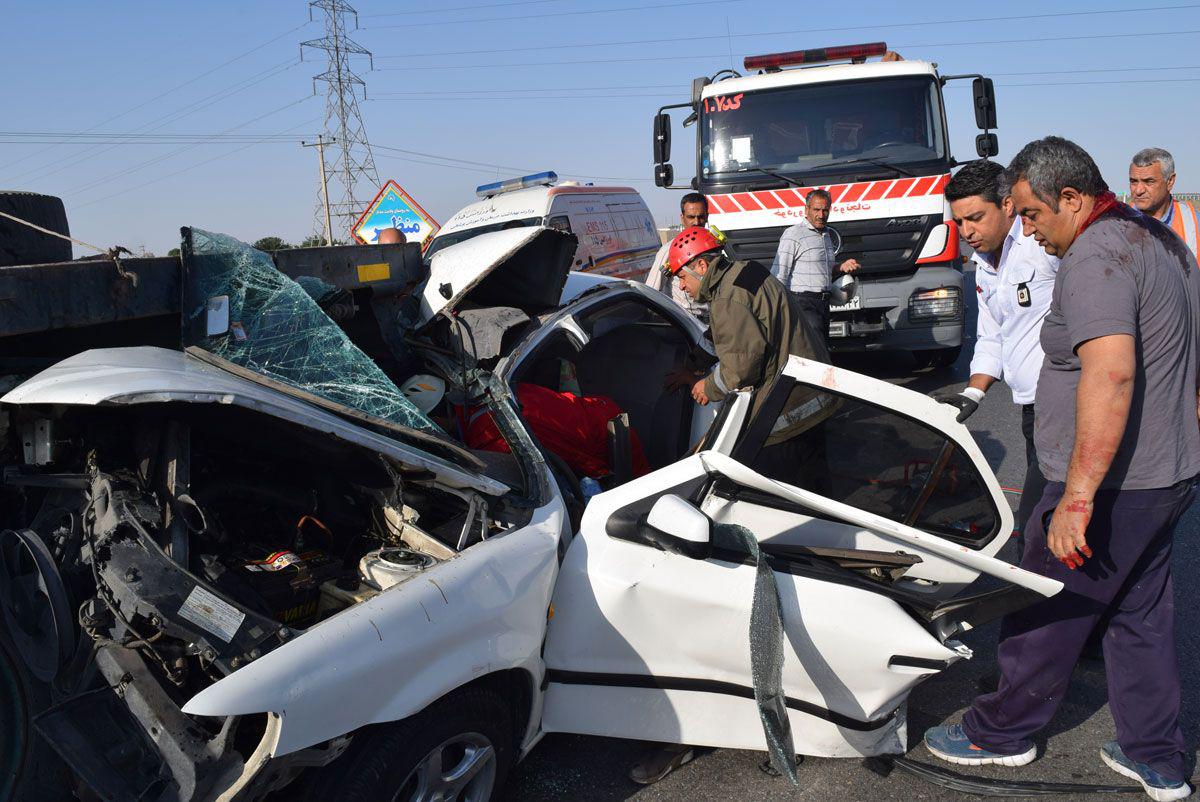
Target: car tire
937, 358
30, 770
22, 245
470, 729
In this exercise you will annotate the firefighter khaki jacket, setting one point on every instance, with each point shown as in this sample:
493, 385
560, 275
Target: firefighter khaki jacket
755, 328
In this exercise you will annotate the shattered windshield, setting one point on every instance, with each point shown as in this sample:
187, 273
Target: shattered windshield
238, 306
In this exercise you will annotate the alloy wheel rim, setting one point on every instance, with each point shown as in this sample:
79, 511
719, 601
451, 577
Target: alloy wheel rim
460, 769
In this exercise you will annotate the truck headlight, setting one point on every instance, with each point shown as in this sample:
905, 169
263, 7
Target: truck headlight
944, 302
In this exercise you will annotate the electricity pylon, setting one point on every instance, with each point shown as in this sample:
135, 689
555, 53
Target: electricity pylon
353, 179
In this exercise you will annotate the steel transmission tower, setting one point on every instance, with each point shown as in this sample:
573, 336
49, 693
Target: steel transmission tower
353, 180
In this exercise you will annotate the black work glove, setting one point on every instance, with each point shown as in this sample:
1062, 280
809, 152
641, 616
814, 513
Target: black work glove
966, 401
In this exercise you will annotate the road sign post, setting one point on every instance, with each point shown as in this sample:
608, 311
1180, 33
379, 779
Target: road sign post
395, 208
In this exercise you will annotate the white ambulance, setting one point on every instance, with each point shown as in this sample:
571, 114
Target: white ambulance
616, 231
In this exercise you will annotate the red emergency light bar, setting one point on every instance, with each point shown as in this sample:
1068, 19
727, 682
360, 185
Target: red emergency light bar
774, 61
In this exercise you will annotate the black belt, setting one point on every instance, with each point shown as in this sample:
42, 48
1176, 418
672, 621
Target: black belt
811, 294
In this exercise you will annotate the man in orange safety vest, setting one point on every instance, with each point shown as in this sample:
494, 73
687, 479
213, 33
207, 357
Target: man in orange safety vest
1151, 179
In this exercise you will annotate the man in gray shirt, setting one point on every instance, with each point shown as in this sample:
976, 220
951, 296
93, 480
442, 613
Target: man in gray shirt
804, 261
1119, 443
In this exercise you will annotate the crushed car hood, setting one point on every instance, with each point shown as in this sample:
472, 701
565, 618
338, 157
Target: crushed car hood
147, 375
524, 268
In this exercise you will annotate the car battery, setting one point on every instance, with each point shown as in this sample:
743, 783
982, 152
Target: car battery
289, 583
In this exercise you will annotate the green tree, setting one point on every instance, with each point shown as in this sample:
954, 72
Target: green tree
317, 241
173, 252
272, 244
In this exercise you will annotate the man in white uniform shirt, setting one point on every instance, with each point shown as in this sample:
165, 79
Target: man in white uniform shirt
1014, 279
693, 211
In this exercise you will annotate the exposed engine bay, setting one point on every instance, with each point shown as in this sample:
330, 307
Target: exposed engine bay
169, 546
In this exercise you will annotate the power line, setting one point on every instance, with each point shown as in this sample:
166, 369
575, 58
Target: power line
803, 31
689, 3
161, 95
378, 95
156, 160
72, 138
660, 58
185, 169
513, 93
494, 166
459, 8
166, 119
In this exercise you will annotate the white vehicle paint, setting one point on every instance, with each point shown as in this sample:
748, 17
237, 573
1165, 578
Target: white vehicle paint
616, 232
643, 641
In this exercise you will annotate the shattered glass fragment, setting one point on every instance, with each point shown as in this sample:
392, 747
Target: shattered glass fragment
277, 329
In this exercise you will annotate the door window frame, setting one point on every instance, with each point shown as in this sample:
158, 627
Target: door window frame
758, 428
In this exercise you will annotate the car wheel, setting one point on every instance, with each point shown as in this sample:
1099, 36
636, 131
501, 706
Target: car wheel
30, 771
460, 748
937, 358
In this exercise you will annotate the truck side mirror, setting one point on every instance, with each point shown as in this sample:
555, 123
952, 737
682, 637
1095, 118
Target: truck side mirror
987, 146
698, 85
662, 138
676, 526
985, 103
664, 175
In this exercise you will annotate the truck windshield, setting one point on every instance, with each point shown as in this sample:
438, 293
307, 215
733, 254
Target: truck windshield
797, 129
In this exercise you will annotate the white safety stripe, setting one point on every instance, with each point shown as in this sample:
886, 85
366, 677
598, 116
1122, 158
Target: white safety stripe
1187, 216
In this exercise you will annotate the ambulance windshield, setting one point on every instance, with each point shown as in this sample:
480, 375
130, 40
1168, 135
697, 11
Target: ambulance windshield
797, 129
453, 238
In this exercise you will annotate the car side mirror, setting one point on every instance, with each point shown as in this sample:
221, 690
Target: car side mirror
987, 145
664, 175
662, 138
676, 526
985, 103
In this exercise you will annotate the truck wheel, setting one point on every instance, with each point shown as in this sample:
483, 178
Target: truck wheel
22, 245
30, 771
937, 358
459, 748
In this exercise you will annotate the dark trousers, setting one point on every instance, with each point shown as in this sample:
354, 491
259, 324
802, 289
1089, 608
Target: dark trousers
815, 308
1035, 483
1125, 587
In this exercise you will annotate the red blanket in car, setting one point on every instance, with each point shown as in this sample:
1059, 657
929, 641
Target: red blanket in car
573, 427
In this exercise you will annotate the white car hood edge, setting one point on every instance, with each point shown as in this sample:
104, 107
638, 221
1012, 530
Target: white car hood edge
146, 375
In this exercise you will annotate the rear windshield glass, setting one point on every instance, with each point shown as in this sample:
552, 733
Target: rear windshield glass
870, 457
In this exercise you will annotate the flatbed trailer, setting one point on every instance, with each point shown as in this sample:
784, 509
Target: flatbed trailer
51, 311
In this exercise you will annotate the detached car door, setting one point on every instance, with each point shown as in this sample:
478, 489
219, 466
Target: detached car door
873, 508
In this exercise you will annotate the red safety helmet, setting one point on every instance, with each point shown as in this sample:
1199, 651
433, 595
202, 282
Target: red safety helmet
687, 245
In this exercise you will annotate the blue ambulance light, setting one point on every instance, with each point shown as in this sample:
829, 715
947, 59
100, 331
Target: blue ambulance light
499, 187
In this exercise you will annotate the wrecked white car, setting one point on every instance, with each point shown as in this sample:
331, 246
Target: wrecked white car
253, 557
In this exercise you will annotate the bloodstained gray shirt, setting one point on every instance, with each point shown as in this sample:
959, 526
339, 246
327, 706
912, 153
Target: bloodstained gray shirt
1126, 274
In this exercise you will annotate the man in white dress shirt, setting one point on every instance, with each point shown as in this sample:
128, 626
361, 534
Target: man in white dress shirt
1014, 279
693, 211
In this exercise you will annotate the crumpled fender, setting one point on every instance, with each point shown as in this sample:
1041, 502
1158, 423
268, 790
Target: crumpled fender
390, 657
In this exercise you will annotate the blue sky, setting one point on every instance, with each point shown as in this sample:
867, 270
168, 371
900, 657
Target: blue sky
572, 103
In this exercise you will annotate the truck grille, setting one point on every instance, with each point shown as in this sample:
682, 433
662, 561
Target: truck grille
884, 247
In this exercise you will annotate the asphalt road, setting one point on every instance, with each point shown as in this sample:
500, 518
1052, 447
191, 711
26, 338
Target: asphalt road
585, 768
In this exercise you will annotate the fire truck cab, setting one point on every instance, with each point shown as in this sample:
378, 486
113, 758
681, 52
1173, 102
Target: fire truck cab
874, 135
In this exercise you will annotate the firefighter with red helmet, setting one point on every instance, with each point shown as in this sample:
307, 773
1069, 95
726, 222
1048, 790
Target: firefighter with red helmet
755, 325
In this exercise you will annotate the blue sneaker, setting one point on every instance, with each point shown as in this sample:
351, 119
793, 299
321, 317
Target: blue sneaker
951, 744
1157, 786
